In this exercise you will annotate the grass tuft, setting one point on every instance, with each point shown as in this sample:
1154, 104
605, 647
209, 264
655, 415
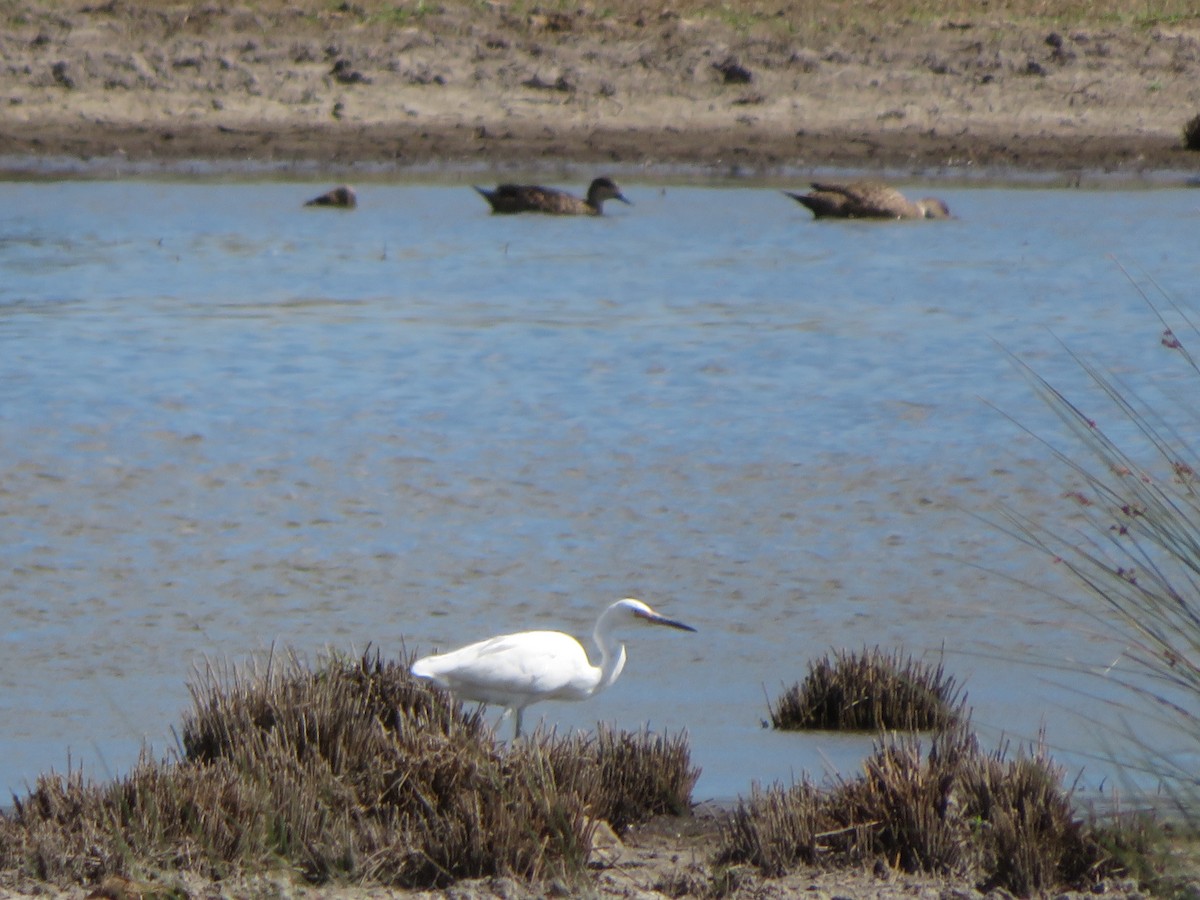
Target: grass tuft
1006, 823
353, 772
640, 775
869, 691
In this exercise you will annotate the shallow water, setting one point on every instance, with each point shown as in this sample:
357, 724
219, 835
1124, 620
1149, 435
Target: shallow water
231, 424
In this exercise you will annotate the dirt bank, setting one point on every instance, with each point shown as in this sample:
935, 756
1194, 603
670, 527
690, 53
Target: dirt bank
505, 85
666, 858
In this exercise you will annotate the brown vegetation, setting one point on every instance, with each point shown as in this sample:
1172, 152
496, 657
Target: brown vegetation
869, 691
954, 811
356, 771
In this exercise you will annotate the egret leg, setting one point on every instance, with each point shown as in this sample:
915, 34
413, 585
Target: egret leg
517, 732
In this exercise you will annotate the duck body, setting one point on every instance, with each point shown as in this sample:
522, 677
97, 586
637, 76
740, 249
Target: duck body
533, 198
341, 197
866, 200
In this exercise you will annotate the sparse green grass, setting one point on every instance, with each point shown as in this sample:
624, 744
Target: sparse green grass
876, 15
1157, 856
403, 15
804, 20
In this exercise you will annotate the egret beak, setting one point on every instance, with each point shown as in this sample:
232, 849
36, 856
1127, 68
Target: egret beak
655, 619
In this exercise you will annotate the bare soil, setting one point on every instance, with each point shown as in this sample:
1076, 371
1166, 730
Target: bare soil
484, 84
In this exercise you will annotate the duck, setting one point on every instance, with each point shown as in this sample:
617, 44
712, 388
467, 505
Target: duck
867, 200
519, 198
342, 196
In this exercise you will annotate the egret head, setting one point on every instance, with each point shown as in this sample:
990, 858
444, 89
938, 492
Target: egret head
637, 611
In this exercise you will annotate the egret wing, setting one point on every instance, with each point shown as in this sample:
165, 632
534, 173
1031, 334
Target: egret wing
514, 669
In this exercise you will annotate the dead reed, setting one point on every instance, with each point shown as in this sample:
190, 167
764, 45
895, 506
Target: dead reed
352, 771
954, 810
869, 691
638, 775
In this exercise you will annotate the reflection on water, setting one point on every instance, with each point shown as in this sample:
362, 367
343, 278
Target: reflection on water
230, 423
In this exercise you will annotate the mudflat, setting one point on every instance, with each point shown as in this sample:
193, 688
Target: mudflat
743, 88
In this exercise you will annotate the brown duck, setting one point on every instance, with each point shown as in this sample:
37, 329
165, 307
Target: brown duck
342, 196
867, 200
519, 198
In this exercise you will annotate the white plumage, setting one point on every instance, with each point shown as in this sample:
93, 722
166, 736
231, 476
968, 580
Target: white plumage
515, 670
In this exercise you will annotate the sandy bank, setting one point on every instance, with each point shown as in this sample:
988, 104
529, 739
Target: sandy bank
486, 86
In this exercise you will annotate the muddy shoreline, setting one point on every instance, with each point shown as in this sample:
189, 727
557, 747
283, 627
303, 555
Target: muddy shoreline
120, 87
152, 146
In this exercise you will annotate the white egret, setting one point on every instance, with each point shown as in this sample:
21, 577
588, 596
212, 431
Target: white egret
515, 670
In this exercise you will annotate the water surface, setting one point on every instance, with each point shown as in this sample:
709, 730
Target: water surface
230, 424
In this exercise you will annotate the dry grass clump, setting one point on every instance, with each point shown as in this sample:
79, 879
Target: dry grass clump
1191, 133
639, 775
869, 691
1004, 823
354, 771
321, 712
